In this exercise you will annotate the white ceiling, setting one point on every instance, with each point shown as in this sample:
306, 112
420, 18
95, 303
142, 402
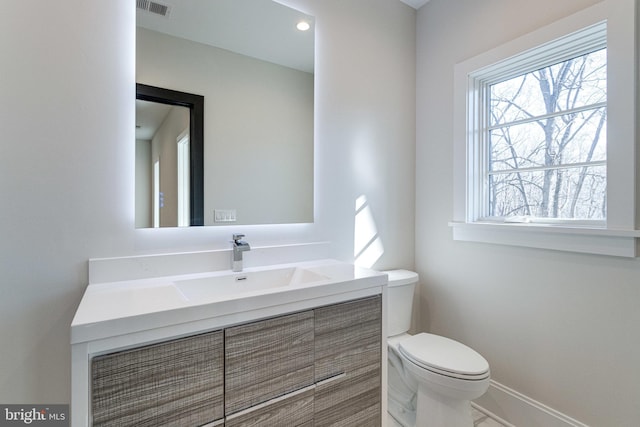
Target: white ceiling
261, 29
416, 4
149, 117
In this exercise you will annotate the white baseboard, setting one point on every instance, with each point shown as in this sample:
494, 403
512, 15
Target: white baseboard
515, 409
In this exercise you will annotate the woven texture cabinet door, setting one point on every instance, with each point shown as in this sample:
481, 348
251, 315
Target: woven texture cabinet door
174, 383
267, 359
348, 347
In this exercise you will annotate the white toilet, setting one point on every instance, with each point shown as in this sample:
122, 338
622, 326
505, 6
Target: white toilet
431, 379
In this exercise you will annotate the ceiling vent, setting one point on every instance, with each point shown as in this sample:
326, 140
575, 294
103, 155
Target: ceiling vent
153, 7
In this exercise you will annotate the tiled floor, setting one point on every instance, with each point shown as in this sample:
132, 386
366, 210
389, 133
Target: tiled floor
479, 420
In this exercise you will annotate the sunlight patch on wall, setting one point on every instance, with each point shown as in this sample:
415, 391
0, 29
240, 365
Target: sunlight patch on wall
367, 245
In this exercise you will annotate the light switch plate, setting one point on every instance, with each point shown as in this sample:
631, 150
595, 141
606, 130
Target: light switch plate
224, 215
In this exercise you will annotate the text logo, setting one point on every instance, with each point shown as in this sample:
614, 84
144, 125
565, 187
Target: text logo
34, 415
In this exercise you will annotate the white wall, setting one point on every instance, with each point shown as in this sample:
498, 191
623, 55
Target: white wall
560, 328
164, 148
67, 161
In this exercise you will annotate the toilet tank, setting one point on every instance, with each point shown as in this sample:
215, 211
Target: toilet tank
400, 300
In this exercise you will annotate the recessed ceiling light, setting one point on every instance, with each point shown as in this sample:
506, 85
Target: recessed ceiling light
303, 26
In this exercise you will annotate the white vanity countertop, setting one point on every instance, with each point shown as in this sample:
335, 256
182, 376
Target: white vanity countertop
123, 307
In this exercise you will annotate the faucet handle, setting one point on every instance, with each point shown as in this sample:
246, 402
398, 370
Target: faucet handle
237, 236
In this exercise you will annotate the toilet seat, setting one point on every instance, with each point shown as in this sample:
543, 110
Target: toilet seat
444, 356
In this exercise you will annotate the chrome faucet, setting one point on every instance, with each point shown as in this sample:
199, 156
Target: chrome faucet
239, 246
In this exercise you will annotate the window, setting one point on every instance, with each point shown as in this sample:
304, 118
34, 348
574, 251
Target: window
544, 132
545, 137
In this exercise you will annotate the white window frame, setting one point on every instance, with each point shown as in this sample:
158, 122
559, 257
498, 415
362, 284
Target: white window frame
571, 46
617, 236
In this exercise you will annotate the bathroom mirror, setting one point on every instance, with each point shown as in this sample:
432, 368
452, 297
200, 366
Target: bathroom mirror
254, 70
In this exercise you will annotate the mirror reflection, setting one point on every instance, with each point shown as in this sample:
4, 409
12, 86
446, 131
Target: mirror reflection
172, 194
254, 69
169, 156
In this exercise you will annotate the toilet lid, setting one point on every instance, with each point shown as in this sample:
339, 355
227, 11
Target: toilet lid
401, 277
445, 356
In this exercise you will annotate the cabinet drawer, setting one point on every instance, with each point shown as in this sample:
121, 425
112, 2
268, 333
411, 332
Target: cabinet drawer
352, 402
294, 409
348, 340
268, 359
175, 383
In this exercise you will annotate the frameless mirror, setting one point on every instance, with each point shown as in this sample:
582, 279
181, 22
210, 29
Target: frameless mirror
254, 71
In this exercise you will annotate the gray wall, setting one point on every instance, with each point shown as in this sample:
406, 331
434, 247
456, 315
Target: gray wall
559, 327
67, 161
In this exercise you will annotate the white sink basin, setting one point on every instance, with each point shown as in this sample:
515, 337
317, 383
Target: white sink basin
221, 287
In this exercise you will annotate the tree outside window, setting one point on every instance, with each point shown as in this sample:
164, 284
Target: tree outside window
546, 141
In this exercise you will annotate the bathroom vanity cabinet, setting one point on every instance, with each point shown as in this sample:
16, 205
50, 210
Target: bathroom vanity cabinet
317, 367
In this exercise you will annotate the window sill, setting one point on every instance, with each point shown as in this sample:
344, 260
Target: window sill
589, 240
